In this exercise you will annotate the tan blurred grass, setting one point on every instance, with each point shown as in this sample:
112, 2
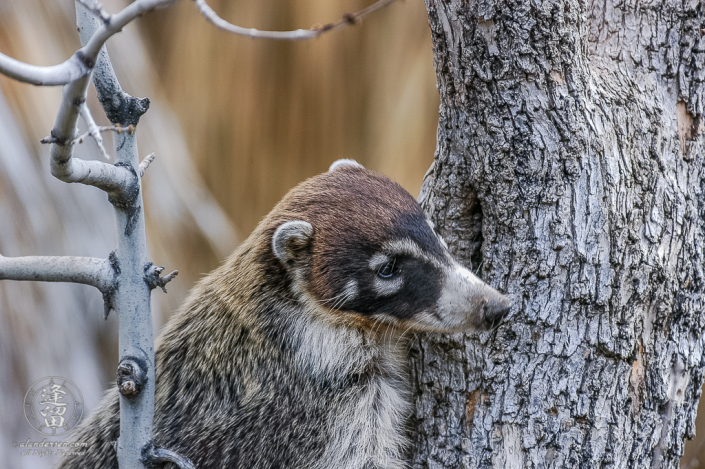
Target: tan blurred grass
260, 116
256, 117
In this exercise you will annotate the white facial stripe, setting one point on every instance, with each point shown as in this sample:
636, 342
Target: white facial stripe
378, 260
404, 246
387, 287
440, 239
409, 248
351, 290
466, 274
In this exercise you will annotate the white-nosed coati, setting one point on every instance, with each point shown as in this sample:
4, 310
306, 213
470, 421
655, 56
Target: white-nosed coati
289, 354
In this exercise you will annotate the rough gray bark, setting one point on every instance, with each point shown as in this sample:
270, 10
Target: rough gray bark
569, 171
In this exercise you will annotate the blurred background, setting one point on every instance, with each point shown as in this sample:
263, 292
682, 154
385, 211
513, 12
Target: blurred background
234, 122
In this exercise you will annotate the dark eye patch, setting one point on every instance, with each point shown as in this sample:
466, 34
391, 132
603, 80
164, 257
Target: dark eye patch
389, 269
361, 252
419, 292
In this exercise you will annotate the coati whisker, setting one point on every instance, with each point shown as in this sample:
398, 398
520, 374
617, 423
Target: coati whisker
285, 295
414, 323
479, 266
335, 298
344, 297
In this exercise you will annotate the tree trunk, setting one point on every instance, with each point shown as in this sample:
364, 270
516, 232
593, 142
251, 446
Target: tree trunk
569, 172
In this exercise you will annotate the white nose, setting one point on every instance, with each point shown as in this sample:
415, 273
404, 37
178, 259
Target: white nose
487, 307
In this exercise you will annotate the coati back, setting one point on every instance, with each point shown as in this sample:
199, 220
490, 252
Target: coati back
291, 354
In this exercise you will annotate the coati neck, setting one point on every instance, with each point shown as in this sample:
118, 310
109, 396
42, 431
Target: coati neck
251, 292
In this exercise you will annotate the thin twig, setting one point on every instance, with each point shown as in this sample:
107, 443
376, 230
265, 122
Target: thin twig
297, 35
82, 62
129, 130
152, 276
144, 164
93, 130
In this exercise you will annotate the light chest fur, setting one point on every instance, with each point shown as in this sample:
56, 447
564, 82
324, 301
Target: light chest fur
367, 427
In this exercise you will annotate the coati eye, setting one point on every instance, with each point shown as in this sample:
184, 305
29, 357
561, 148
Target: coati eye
388, 270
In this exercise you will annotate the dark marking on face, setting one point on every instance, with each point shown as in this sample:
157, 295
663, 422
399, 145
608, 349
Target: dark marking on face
419, 291
357, 214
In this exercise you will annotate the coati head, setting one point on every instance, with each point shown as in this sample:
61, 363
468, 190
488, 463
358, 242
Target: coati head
356, 243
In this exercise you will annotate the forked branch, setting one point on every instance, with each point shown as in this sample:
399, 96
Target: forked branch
82, 62
118, 181
93, 130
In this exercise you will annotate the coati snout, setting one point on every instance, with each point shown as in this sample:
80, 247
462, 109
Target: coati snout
358, 243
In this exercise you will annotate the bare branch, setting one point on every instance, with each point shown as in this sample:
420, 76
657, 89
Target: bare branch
53, 75
116, 180
146, 162
120, 107
109, 178
129, 130
119, 21
152, 456
93, 130
297, 35
82, 62
119, 181
87, 270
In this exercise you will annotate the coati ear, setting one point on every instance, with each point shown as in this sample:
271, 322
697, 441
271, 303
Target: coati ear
291, 239
344, 162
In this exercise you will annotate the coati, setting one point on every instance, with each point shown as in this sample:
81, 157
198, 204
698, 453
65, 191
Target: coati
291, 354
